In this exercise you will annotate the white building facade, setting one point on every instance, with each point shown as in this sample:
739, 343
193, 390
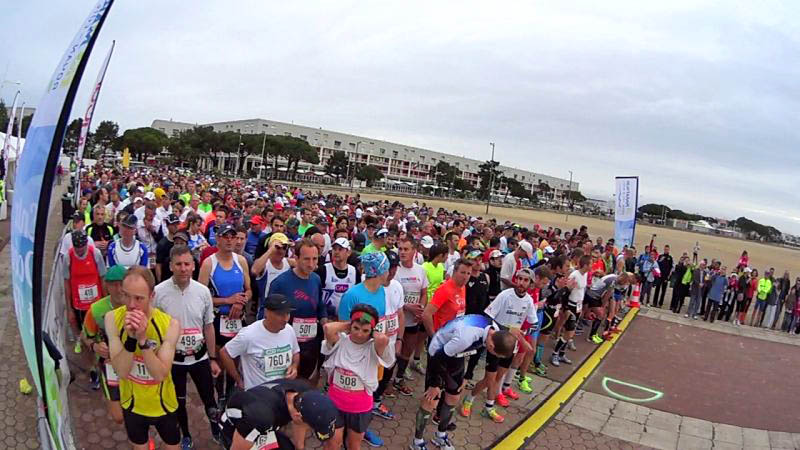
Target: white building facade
402, 163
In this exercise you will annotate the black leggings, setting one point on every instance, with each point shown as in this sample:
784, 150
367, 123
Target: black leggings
201, 375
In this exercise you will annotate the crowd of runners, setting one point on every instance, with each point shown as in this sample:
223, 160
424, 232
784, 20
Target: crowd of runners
286, 306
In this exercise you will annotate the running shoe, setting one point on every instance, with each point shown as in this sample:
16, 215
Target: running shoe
407, 374
597, 339
554, 360
415, 446
389, 393
502, 400
403, 389
466, 408
382, 411
186, 443
492, 414
541, 370
470, 385
578, 331
564, 359
526, 378
77, 348
607, 336
442, 442
416, 366
508, 392
571, 345
373, 439
94, 380
524, 386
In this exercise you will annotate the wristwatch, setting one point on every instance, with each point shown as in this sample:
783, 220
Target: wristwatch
148, 345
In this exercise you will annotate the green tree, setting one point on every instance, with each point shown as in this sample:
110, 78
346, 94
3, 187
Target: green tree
445, 174
488, 171
370, 174
337, 164
3, 117
575, 196
654, 209
144, 141
70, 144
296, 150
104, 136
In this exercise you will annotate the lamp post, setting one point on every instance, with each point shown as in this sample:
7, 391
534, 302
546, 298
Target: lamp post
569, 196
263, 146
354, 170
491, 179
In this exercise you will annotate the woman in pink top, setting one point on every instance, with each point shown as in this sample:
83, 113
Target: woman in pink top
355, 352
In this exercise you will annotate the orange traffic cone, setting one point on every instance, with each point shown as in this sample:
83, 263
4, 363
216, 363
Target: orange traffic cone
634, 303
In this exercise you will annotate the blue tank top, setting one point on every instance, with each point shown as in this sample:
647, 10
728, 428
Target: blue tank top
225, 283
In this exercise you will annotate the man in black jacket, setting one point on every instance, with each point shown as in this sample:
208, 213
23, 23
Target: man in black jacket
665, 264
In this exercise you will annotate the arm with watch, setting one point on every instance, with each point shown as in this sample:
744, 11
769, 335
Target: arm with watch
211, 345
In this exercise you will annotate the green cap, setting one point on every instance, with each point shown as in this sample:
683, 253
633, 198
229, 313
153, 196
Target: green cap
115, 273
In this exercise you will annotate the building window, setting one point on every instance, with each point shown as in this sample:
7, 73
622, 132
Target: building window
394, 153
337, 144
383, 151
515, 176
287, 134
352, 145
303, 137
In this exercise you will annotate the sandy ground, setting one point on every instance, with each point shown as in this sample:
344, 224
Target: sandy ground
728, 250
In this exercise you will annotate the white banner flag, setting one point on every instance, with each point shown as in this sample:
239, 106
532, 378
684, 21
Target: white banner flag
627, 202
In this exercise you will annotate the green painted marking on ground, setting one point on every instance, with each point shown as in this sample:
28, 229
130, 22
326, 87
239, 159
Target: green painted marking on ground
656, 394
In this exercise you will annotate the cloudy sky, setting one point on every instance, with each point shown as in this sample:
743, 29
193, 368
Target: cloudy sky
699, 99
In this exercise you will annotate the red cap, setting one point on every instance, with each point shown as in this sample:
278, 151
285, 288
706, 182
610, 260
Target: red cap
278, 207
257, 220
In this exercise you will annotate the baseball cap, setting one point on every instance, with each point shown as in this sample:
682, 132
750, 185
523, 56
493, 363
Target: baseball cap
342, 242
525, 272
172, 219
318, 412
747, 270
278, 302
138, 199
394, 259
293, 222
79, 238
426, 241
130, 221
256, 220
496, 254
382, 232
115, 273
181, 235
226, 229
527, 247
474, 254
279, 237
77, 215
150, 196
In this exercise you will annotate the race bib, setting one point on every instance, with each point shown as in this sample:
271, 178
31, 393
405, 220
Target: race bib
347, 380
139, 373
151, 260
411, 298
381, 326
229, 327
305, 329
466, 353
392, 324
87, 293
265, 441
112, 379
190, 341
277, 361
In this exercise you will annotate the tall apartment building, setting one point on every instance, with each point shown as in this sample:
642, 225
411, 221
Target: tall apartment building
397, 162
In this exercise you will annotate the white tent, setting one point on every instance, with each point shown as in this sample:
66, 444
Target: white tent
12, 145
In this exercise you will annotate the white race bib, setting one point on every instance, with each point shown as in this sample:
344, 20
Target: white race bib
190, 341
347, 380
305, 329
277, 361
139, 373
265, 441
112, 379
392, 324
381, 326
466, 353
229, 327
87, 293
411, 298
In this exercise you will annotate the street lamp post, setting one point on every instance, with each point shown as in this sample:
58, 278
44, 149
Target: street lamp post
569, 196
354, 170
491, 180
263, 146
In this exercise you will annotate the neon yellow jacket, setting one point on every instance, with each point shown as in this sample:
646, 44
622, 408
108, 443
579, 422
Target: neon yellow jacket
764, 287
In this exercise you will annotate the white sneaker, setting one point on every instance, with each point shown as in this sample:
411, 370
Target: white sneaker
686, 315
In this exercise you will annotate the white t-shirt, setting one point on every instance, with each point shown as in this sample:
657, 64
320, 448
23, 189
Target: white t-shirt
576, 295
389, 323
264, 356
271, 273
413, 280
360, 359
508, 269
450, 261
192, 308
511, 310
